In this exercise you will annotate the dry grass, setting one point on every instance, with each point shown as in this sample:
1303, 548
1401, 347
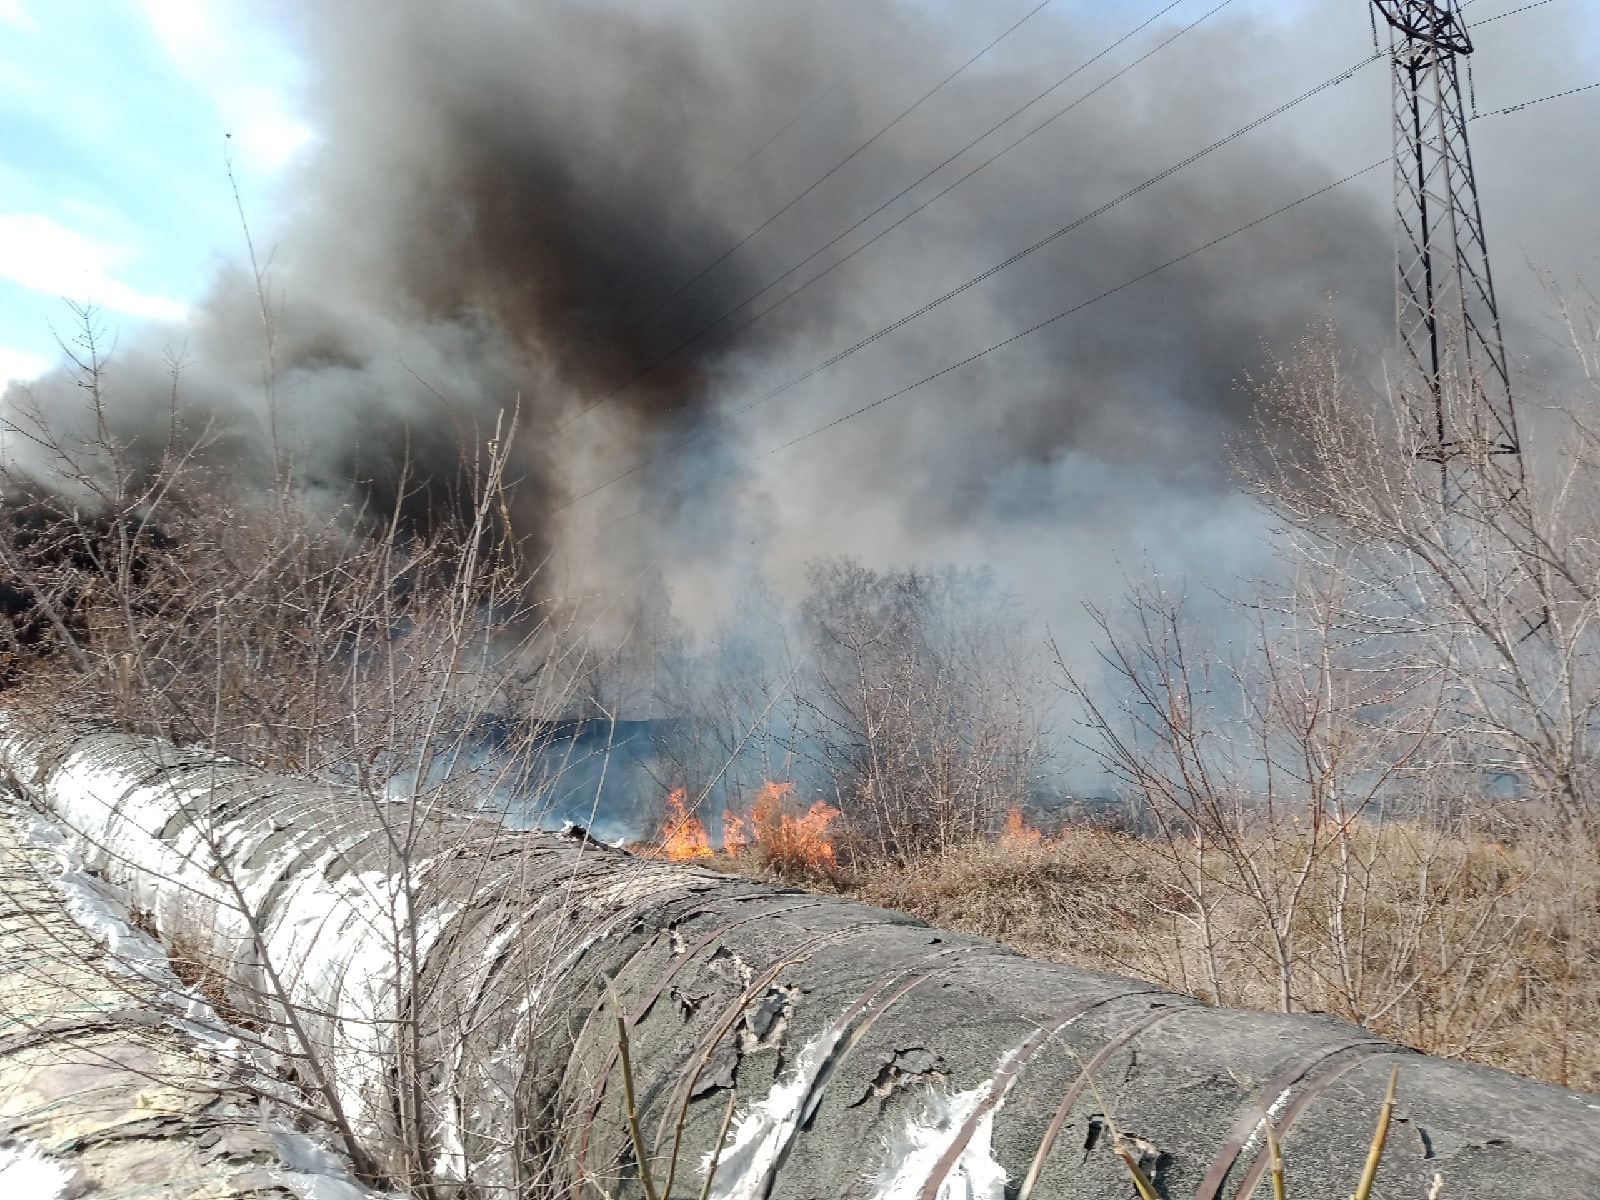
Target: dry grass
1469, 947
193, 965
1084, 898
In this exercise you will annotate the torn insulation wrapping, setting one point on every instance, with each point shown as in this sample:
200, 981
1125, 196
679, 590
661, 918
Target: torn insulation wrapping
116, 1079
448, 971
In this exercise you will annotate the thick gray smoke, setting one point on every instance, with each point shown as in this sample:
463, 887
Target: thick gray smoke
551, 204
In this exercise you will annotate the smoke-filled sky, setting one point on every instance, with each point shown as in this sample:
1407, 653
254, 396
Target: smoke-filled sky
578, 208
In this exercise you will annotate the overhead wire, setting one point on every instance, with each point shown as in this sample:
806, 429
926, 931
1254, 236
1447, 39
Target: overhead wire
1060, 316
694, 337
1516, 108
1168, 264
1013, 259
1511, 12
838, 82
1471, 84
1076, 308
844, 162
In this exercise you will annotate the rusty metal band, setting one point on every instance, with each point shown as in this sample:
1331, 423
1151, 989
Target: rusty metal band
682, 960
1003, 1079
874, 1003
684, 957
509, 955
1211, 1186
1064, 1109
1298, 1105
907, 981
701, 1054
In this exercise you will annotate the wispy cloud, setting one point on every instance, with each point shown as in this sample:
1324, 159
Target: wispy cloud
13, 13
242, 76
20, 366
46, 256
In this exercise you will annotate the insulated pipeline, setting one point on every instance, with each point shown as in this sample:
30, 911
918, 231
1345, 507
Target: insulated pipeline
444, 982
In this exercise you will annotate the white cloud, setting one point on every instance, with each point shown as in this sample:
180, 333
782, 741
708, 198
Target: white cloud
18, 366
187, 30
48, 257
222, 50
267, 137
13, 13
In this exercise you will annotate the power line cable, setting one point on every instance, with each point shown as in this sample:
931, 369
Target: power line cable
839, 82
1076, 308
1060, 316
1015, 258
842, 163
1500, 112
776, 280
1171, 262
1511, 12
1472, 90
1516, 108
1165, 266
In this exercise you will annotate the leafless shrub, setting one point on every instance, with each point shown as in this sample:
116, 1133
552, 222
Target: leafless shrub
1478, 582
923, 701
905, 699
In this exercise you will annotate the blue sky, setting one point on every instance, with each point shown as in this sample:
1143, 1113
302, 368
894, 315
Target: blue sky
113, 187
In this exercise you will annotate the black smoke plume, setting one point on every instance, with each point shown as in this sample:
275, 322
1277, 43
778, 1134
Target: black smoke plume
564, 207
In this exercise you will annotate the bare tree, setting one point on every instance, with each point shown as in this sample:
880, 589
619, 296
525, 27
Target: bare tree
734, 707
1332, 790
1480, 577
924, 705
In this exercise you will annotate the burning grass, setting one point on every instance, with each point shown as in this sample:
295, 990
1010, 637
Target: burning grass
683, 835
770, 835
786, 842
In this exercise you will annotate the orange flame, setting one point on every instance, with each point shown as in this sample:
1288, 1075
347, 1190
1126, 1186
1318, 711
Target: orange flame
782, 838
683, 834
733, 835
1018, 830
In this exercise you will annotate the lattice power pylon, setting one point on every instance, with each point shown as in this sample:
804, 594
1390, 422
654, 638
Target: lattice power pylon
1449, 324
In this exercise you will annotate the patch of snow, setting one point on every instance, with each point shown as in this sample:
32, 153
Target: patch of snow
310, 1170
190, 848
29, 1173
911, 1157
193, 1015
42, 835
314, 1172
96, 907
1258, 1134
321, 1187
101, 910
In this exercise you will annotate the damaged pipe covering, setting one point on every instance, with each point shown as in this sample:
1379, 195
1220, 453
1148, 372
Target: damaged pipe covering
115, 1083
869, 1054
